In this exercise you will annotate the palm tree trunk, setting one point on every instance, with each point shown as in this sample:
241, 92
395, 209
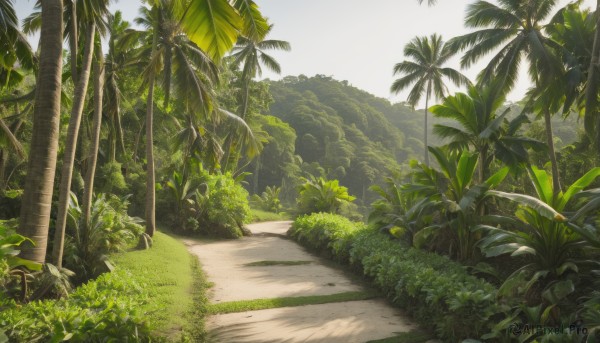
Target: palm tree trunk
39, 182
592, 122
551, 151
73, 41
150, 177
426, 123
91, 172
71, 147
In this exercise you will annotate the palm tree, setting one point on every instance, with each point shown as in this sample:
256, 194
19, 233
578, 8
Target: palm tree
91, 20
97, 126
478, 125
515, 27
179, 57
123, 44
39, 182
425, 71
250, 53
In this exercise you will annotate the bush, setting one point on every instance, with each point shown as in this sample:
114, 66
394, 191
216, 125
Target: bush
223, 207
321, 195
326, 232
215, 205
110, 229
101, 310
434, 289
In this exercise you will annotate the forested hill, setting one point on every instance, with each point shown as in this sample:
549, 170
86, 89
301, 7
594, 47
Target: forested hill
353, 135
323, 110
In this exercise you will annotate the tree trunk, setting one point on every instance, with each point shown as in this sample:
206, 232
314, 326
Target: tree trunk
71, 147
426, 124
592, 122
150, 177
73, 41
39, 182
97, 126
552, 153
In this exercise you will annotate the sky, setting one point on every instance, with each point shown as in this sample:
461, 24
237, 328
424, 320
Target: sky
354, 40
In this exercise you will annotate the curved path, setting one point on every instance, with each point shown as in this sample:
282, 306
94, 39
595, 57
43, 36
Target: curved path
226, 265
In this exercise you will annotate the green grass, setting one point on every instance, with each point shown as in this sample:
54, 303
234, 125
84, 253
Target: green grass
264, 216
276, 263
174, 283
262, 304
406, 337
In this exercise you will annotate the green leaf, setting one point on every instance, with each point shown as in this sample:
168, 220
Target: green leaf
255, 25
558, 291
214, 25
18, 262
542, 183
578, 185
497, 178
537, 205
567, 266
465, 169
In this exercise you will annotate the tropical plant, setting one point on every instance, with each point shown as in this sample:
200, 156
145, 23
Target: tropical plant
478, 125
39, 183
515, 27
269, 199
110, 229
426, 71
453, 200
220, 206
552, 232
318, 194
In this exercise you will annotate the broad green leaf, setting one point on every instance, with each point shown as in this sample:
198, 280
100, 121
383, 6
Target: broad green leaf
578, 185
542, 183
497, 178
214, 25
567, 266
537, 205
17, 262
592, 205
523, 250
558, 291
465, 169
501, 249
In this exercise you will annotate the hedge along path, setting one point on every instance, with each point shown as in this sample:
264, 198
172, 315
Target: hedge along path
269, 289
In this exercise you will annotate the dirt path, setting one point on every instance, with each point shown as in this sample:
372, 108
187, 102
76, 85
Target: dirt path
226, 265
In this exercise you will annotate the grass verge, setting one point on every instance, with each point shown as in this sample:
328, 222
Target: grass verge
276, 263
263, 304
174, 283
264, 216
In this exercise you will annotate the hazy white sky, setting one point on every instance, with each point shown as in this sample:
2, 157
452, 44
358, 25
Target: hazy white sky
354, 40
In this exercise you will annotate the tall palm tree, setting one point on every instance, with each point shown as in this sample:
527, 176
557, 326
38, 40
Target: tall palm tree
123, 44
173, 52
39, 182
427, 73
91, 18
251, 53
515, 27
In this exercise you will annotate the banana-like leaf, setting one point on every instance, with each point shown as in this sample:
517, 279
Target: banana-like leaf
15, 261
542, 183
214, 25
535, 204
578, 185
497, 178
465, 169
592, 205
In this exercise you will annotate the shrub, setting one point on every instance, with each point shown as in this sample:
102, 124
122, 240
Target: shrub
326, 232
110, 229
212, 204
436, 290
268, 200
101, 310
321, 195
